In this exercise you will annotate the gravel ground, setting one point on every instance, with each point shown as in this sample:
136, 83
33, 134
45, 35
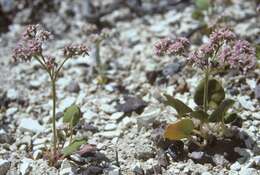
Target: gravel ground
122, 117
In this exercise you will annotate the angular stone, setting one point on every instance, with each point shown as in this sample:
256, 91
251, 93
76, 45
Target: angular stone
12, 94
67, 168
131, 104
28, 124
235, 166
73, 87
25, 166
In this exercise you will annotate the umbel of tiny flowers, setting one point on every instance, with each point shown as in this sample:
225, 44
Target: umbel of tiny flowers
223, 49
30, 47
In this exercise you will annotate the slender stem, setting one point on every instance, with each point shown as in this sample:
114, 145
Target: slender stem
71, 133
98, 55
205, 96
42, 64
43, 59
59, 68
53, 84
98, 61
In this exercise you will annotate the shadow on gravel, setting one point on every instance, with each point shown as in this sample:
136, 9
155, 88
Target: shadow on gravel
219, 151
221, 147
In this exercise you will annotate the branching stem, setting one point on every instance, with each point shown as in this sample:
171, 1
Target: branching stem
205, 96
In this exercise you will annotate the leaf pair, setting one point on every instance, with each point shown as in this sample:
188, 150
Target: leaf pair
72, 115
183, 110
216, 93
179, 130
202, 4
219, 113
183, 127
178, 105
73, 147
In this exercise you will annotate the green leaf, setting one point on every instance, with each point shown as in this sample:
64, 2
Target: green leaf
257, 50
219, 113
202, 4
73, 147
197, 15
216, 93
178, 105
179, 130
230, 118
200, 114
72, 115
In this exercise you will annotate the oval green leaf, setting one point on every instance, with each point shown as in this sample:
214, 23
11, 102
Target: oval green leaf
73, 147
202, 4
200, 114
178, 105
216, 93
219, 113
230, 118
72, 115
179, 130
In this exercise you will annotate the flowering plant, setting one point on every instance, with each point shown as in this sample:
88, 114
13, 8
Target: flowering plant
31, 47
223, 50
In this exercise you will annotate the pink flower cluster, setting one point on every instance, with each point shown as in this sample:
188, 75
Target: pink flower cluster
240, 56
222, 49
168, 46
75, 50
204, 56
31, 43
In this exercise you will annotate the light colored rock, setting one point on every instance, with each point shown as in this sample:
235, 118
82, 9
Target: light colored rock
89, 115
25, 166
67, 102
25, 140
127, 122
116, 115
11, 111
77, 158
256, 115
4, 166
109, 109
110, 127
206, 173
109, 134
147, 117
196, 155
246, 102
12, 94
144, 151
114, 171
232, 172
28, 124
35, 84
235, 166
109, 88
256, 159
67, 168
248, 171
37, 154
40, 141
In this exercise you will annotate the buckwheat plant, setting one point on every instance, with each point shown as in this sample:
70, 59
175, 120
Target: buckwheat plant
223, 51
30, 47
